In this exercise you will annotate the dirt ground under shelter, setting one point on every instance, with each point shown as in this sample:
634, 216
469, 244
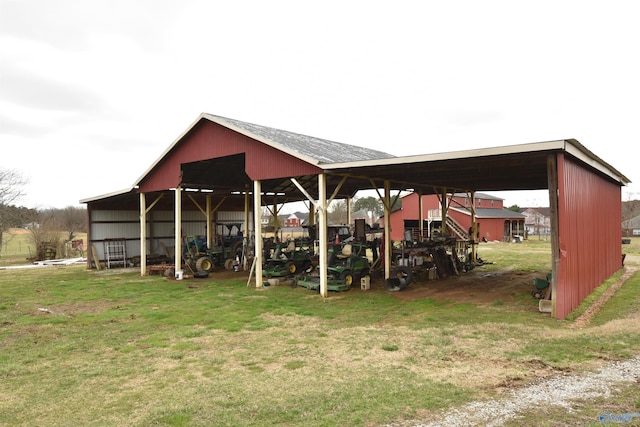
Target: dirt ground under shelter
475, 286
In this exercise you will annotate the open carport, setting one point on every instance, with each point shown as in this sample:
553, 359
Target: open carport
220, 164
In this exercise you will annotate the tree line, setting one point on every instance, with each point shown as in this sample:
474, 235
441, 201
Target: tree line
50, 229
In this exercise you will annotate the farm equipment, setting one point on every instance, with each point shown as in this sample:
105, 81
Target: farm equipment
539, 286
232, 240
201, 259
293, 260
347, 263
400, 277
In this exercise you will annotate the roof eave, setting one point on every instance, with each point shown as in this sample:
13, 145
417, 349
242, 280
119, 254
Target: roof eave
453, 155
579, 151
108, 195
570, 146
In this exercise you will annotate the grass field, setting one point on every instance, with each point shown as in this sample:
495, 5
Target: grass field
110, 347
18, 246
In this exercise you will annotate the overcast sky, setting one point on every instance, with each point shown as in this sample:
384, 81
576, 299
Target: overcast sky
92, 92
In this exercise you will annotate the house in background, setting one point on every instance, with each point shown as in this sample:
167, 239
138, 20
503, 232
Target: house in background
537, 221
293, 221
631, 227
494, 221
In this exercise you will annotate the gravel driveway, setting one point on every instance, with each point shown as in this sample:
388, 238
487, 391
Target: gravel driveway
559, 391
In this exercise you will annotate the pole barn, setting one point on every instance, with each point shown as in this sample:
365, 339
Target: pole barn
222, 169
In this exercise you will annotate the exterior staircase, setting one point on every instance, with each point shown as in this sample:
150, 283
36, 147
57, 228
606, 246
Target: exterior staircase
457, 229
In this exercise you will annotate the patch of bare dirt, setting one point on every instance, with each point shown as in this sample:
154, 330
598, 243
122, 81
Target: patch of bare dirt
76, 308
585, 317
476, 286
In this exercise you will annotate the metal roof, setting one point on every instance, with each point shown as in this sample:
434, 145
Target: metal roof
513, 167
476, 196
350, 168
308, 148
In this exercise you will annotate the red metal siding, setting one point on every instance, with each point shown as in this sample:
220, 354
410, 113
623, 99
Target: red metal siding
208, 140
491, 229
589, 221
409, 211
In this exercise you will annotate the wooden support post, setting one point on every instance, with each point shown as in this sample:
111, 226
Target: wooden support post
178, 228
420, 222
257, 190
143, 234
474, 228
208, 219
322, 233
387, 229
245, 233
444, 206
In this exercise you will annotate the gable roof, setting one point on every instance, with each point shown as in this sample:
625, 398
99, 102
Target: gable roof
309, 148
517, 167
315, 151
544, 211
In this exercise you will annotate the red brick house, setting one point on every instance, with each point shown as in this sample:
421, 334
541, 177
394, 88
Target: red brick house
495, 222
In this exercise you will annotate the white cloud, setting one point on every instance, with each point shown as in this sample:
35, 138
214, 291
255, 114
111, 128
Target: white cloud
101, 83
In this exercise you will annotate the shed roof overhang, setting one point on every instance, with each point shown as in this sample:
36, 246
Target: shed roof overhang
515, 167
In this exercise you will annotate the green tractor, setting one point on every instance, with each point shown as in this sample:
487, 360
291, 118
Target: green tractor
347, 264
202, 259
293, 260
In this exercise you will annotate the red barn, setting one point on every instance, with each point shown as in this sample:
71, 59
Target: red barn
494, 221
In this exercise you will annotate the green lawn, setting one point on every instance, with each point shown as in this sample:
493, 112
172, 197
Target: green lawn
109, 347
17, 247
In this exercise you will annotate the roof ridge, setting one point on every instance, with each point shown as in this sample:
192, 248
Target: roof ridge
312, 149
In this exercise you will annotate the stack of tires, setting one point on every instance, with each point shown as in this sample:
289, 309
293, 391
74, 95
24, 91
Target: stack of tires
399, 278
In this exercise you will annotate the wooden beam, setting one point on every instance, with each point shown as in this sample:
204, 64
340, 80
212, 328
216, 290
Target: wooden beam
552, 183
143, 234
322, 233
304, 191
387, 230
148, 209
207, 215
420, 213
204, 212
258, 230
245, 234
178, 228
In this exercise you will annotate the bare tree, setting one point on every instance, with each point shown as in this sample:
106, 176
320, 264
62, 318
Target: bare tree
274, 222
72, 220
337, 212
11, 189
46, 235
